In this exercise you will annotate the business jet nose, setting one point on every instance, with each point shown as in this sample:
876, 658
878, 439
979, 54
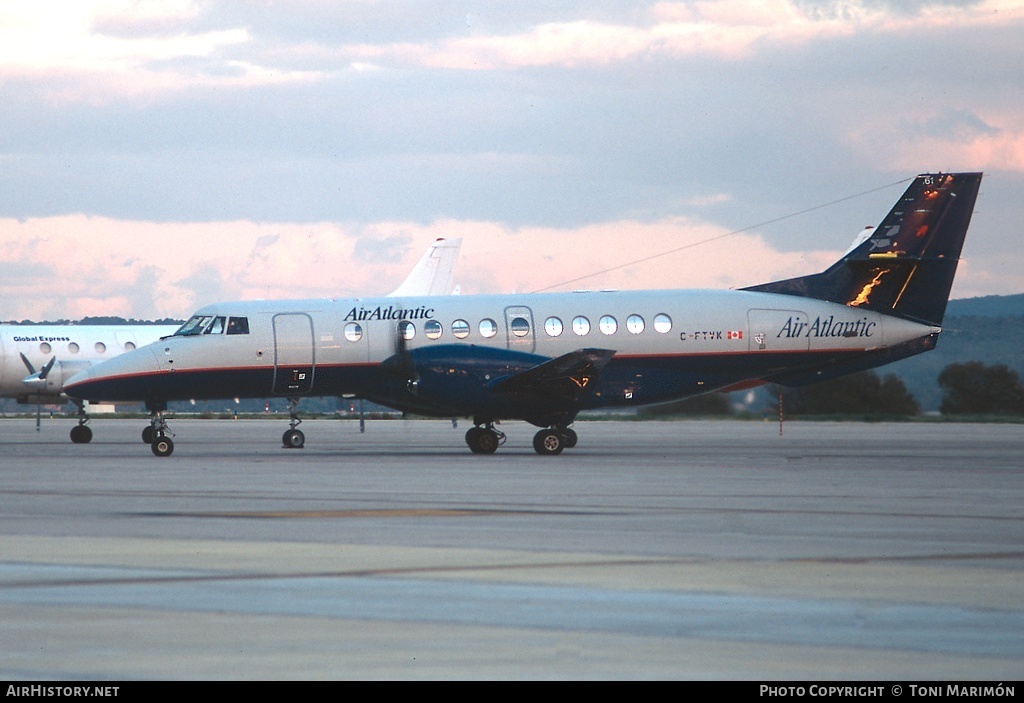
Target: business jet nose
123, 378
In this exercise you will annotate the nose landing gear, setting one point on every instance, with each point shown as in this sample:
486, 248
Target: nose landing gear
156, 435
293, 438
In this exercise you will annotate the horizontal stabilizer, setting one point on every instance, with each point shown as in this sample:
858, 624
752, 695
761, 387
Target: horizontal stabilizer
566, 376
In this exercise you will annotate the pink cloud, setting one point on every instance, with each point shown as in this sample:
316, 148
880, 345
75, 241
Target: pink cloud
78, 265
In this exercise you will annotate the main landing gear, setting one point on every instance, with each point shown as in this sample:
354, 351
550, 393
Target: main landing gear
293, 438
484, 439
552, 441
80, 433
156, 434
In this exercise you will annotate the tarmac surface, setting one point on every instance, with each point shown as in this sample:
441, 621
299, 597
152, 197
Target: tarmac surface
652, 550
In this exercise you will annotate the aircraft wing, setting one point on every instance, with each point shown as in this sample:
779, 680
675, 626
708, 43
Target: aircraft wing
432, 275
566, 376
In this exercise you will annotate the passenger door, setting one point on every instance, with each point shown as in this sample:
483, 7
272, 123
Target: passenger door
294, 354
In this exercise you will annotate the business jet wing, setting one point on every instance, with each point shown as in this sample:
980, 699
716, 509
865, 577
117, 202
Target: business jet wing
432, 275
566, 376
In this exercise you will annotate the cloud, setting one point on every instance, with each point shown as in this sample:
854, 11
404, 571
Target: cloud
155, 270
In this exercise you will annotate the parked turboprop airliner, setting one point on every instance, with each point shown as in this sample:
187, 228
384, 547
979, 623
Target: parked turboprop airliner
545, 357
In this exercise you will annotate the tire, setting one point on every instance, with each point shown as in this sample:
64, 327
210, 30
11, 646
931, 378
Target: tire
570, 438
80, 434
482, 441
293, 439
548, 442
162, 446
147, 434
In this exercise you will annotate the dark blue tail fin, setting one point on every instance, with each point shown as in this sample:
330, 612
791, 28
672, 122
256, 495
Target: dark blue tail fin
906, 267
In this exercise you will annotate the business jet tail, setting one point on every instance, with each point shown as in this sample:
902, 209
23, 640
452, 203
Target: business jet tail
906, 266
432, 275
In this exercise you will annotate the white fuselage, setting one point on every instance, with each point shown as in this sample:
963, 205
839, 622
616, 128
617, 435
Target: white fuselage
72, 348
667, 343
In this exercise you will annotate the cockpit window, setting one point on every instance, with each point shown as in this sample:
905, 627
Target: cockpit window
215, 327
194, 326
238, 325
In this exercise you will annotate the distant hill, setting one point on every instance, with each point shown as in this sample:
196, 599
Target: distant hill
987, 306
989, 329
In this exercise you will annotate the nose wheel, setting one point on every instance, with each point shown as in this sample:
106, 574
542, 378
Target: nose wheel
156, 435
293, 438
80, 433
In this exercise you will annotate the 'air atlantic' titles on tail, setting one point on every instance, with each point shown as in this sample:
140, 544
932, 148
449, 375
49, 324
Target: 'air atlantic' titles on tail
545, 357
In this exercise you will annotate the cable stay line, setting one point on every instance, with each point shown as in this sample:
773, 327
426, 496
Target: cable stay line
720, 236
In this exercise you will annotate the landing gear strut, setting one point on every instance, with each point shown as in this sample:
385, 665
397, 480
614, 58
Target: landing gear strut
293, 438
156, 434
483, 438
80, 433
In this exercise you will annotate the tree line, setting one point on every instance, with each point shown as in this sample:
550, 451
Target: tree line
968, 389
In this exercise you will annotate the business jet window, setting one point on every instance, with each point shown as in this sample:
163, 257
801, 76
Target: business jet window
662, 322
432, 329
353, 332
635, 324
100, 347
581, 325
460, 328
129, 346
238, 325
553, 326
45, 348
73, 348
519, 326
215, 327
608, 324
406, 329
488, 328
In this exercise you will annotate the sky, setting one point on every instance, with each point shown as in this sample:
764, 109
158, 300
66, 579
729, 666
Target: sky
161, 155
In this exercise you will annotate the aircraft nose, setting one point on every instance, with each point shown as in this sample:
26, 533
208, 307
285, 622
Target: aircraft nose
123, 378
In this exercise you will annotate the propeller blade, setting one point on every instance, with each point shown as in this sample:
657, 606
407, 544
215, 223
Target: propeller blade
28, 364
46, 369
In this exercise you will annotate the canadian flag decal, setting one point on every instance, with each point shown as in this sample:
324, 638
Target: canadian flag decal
734, 334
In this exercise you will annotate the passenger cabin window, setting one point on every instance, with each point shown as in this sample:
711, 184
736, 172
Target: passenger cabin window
581, 325
520, 327
553, 326
432, 329
406, 329
238, 325
635, 324
662, 322
353, 331
608, 324
100, 347
460, 328
488, 328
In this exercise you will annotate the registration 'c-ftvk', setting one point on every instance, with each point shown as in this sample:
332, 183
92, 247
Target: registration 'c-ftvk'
544, 358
